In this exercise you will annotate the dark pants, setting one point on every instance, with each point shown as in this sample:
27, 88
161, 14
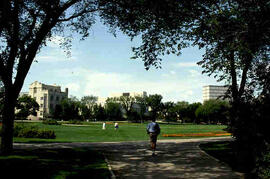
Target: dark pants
153, 140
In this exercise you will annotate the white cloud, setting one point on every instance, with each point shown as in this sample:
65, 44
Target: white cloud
185, 64
73, 87
54, 58
194, 73
102, 84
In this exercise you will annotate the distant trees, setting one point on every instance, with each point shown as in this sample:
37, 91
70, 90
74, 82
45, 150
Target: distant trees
113, 110
213, 111
141, 108
26, 106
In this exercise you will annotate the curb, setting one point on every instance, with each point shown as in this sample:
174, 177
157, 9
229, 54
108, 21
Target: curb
110, 167
241, 175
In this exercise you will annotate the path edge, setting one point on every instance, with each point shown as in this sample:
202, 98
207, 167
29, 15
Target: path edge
109, 167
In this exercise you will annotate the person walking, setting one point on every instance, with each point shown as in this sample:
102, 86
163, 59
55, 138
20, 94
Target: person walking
116, 126
104, 126
153, 130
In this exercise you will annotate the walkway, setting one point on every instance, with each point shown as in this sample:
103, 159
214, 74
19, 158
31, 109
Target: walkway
180, 158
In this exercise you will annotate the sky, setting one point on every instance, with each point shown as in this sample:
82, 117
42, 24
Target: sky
101, 65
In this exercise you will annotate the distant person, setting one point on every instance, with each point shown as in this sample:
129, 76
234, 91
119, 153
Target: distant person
153, 130
116, 126
104, 126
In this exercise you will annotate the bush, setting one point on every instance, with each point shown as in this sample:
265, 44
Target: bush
21, 130
74, 122
50, 122
263, 165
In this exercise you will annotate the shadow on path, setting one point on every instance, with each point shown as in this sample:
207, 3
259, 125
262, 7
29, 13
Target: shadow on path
175, 159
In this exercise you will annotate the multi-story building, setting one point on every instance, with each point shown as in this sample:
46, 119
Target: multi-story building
47, 96
214, 92
131, 94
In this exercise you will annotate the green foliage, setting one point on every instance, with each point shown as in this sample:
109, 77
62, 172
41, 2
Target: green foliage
213, 111
88, 104
168, 112
70, 109
57, 113
113, 111
99, 113
74, 122
154, 103
1, 97
29, 131
26, 106
263, 165
50, 122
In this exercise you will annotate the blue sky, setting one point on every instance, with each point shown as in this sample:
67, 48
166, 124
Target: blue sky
101, 65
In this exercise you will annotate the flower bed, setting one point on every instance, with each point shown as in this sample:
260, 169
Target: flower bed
206, 134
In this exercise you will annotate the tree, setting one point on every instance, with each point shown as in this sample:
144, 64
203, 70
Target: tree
1, 98
87, 106
142, 106
213, 111
70, 109
234, 33
99, 113
155, 105
127, 103
26, 106
57, 114
113, 109
181, 109
25, 27
191, 109
168, 111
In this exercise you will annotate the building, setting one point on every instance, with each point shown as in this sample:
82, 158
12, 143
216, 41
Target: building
214, 92
47, 96
102, 101
131, 94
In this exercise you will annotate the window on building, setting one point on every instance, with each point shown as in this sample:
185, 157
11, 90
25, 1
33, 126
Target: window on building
41, 113
35, 90
126, 94
41, 98
41, 105
57, 98
51, 98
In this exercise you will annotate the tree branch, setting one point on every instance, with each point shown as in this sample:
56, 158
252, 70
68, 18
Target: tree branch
77, 15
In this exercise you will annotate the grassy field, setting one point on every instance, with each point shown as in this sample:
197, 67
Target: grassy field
92, 132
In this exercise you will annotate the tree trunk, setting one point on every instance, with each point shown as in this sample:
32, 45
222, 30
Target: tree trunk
8, 122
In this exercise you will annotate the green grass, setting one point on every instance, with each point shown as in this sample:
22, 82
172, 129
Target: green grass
54, 163
93, 132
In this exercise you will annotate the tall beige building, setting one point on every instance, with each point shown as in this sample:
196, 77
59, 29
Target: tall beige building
131, 94
213, 92
47, 96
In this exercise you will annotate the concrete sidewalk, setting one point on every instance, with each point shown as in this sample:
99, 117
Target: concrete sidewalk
180, 158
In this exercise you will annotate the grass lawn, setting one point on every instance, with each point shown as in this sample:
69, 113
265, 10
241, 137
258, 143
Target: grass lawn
92, 132
54, 163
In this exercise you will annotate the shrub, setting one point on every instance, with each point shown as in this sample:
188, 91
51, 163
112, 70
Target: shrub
263, 165
74, 122
50, 122
21, 130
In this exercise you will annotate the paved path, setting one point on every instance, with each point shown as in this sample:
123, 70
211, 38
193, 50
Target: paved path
180, 158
